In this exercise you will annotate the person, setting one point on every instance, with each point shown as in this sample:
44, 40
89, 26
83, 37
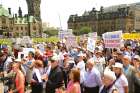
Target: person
28, 65
92, 80
36, 81
121, 81
130, 73
55, 79
110, 64
81, 66
136, 62
66, 68
19, 79
5, 60
108, 82
38, 56
99, 61
74, 83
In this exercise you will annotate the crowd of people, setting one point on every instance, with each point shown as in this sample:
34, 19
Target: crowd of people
59, 69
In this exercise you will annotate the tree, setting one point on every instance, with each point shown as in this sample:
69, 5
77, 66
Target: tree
83, 30
51, 31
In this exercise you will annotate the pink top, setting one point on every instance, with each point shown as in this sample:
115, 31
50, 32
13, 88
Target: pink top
70, 87
19, 78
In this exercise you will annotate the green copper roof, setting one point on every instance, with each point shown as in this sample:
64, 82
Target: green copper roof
21, 20
3, 11
32, 19
24, 20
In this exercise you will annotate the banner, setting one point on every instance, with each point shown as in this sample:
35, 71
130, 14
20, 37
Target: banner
131, 36
91, 44
112, 39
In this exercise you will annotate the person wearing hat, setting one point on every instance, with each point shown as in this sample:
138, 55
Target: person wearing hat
81, 66
65, 67
121, 81
130, 73
99, 61
136, 62
55, 79
108, 83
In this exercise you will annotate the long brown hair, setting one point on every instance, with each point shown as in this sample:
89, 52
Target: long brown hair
76, 75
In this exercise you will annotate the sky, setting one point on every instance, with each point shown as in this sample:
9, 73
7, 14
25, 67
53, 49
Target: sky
57, 12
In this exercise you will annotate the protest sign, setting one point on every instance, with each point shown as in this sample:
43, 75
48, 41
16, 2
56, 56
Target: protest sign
131, 36
71, 41
25, 52
91, 44
112, 39
64, 33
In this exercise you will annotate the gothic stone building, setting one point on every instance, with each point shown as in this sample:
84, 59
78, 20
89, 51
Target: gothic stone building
121, 17
17, 25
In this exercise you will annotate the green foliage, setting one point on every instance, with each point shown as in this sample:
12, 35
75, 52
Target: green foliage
50, 39
51, 31
5, 42
83, 30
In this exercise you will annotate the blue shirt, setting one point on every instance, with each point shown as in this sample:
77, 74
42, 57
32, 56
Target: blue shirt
92, 78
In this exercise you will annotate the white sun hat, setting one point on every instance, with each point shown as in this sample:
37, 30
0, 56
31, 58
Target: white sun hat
118, 65
55, 57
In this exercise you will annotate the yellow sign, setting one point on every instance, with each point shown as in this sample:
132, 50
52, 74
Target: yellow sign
131, 36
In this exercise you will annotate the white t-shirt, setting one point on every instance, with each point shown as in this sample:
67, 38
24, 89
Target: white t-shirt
121, 82
81, 66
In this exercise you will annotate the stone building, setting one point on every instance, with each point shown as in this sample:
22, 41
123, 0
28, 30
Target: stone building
17, 25
34, 8
120, 17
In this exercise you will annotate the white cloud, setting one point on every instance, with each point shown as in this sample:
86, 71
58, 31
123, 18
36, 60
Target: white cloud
51, 9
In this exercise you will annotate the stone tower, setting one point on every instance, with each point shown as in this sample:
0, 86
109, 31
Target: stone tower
34, 8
